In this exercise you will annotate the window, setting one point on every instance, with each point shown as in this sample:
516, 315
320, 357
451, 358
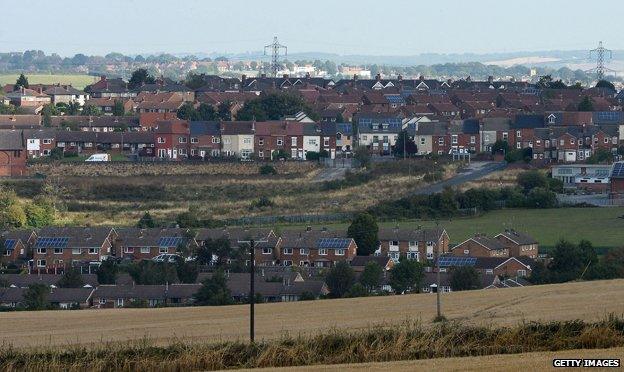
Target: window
322, 252
518, 133
293, 141
102, 301
489, 271
58, 250
466, 251
261, 154
312, 141
440, 140
47, 141
505, 136
521, 272
41, 263
94, 250
182, 151
161, 140
606, 140
216, 140
261, 142
227, 141
89, 144
561, 142
326, 141
194, 140
120, 302
145, 250
267, 250
422, 140
128, 249
413, 245
163, 250
247, 141
365, 137
551, 119
287, 263
76, 251
182, 139
288, 251
571, 141
340, 252
394, 242
412, 256
473, 139
454, 139
280, 141
42, 251
394, 256
519, 145
304, 251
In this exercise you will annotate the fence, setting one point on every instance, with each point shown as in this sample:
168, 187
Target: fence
304, 218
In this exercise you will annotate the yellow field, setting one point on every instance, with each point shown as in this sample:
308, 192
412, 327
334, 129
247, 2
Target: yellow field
514, 362
588, 301
77, 81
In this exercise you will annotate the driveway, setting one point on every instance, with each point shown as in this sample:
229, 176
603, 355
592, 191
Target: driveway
473, 172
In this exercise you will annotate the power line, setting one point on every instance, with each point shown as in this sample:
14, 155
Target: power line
252, 281
275, 53
599, 54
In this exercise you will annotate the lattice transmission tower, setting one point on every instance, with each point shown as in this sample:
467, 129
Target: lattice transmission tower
600, 54
274, 49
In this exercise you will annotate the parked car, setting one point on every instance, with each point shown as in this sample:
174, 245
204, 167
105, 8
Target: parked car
167, 257
98, 158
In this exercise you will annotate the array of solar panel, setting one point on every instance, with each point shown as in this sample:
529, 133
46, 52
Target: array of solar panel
169, 241
395, 98
49, 242
9, 244
609, 115
335, 243
618, 169
450, 261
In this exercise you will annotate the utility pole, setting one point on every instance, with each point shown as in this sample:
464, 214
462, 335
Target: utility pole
252, 281
275, 53
599, 54
438, 289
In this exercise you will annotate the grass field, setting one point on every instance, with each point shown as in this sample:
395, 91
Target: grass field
539, 361
589, 301
601, 226
78, 81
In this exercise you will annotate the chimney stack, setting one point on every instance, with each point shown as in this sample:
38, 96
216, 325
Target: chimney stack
378, 77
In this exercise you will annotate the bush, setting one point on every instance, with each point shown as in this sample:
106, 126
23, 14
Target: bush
267, 170
262, 202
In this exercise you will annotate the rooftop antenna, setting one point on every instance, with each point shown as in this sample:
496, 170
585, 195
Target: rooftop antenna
599, 54
275, 53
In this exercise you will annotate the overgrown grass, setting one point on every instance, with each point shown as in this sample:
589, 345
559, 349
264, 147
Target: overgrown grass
379, 344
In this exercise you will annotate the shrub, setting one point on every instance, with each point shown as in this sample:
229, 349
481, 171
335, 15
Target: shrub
262, 202
267, 170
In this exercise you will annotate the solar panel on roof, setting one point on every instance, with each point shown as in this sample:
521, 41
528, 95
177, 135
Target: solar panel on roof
49, 242
169, 241
333, 243
450, 261
9, 244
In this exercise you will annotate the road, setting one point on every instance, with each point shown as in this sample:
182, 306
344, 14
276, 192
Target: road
473, 172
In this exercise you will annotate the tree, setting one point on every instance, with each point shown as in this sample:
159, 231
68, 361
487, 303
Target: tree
189, 218
40, 212
71, 279
224, 111
36, 297
605, 84
214, 291
187, 271
220, 249
150, 272
90, 110
22, 82
586, 104
340, 279
274, 106
500, 146
567, 263
531, 179
406, 275
613, 263
404, 142
364, 231
107, 272
140, 77
146, 222
465, 278
371, 276
118, 108
14, 216
357, 290
362, 156
600, 156
47, 112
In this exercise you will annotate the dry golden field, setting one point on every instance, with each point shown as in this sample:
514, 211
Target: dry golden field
588, 301
541, 361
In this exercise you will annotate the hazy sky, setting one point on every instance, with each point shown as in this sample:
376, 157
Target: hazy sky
381, 27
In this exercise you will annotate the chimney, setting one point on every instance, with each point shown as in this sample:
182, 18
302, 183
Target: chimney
421, 78
378, 77
490, 79
307, 75
308, 228
355, 77
285, 76
263, 76
400, 77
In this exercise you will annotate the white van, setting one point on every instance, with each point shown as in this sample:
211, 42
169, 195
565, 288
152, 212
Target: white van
99, 157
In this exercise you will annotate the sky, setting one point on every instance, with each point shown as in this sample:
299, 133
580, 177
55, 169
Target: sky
365, 27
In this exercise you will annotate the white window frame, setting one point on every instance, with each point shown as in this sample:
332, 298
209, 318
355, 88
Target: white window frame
322, 252
288, 251
145, 250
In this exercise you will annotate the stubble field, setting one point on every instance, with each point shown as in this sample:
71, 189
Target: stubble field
588, 301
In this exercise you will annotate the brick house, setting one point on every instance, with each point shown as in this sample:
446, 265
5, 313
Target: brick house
413, 244
328, 139
506, 267
40, 142
62, 248
519, 244
270, 136
205, 139
17, 245
145, 244
313, 249
237, 139
172, 139
480, 246
13, 153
